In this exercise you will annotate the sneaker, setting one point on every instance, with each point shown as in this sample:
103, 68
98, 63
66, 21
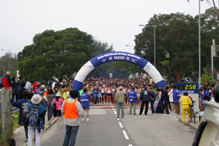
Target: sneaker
87, 120
45, 126
26, 139
82, 120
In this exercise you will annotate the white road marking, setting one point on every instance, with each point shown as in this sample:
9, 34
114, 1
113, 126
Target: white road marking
125, 134
130, 144
112, 106
17, 130
120, 124
115, 112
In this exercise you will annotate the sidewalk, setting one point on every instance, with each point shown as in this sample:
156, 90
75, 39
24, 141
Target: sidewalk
19, 134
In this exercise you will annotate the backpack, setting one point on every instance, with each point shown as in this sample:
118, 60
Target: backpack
34, 115
11, 142
25, 111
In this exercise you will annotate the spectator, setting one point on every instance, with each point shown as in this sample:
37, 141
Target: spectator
6, 81
20, 103
51, 95
36, 103
21, 90
176, 97
72, 110
120, 96
145, 98
205, 93
29, 86
49, 83
58, 103
14, 89
34, 85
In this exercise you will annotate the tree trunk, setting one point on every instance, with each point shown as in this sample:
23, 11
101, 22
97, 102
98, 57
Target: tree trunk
178, 77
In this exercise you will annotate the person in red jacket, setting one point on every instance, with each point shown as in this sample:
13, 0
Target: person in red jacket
34, 84
6, 81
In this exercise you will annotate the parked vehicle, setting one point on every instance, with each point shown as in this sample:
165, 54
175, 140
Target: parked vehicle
208, 130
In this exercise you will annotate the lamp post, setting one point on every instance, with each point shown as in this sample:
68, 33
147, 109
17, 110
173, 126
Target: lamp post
154, 43
199, 44
9, 57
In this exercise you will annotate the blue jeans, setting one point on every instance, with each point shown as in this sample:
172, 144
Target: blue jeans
95, 99
71, 133
120, 106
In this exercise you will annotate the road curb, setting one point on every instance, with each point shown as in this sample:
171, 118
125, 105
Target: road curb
48, 126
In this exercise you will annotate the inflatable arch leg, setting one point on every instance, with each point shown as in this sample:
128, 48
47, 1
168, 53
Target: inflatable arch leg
117, 56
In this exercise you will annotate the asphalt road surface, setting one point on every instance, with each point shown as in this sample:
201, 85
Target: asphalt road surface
133, 130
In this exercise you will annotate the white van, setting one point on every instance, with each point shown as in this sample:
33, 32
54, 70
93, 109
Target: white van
208, 130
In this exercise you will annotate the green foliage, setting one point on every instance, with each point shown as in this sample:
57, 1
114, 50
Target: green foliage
177, 42
206, 77
4, 64
56, 53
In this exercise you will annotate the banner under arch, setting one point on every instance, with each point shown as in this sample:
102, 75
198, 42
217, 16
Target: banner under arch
117, 56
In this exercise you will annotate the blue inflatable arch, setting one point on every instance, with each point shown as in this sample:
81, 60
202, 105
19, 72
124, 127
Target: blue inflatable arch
117, 56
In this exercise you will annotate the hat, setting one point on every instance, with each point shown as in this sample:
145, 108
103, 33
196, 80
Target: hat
42, 87
58, 94
36, 99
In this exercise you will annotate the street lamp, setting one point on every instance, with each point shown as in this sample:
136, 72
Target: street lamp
8, 55
154, 43
199, 44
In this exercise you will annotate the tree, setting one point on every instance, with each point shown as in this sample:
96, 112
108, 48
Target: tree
215, 7
55, 53
4, 64
177, 42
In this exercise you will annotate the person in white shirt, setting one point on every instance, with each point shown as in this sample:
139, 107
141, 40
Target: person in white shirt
171, 100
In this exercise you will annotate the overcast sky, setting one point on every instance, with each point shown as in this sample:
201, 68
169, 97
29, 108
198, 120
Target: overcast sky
113, 21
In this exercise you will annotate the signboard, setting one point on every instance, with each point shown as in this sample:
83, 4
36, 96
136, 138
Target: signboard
192, 90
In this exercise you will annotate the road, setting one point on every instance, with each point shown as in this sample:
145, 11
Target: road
133, 130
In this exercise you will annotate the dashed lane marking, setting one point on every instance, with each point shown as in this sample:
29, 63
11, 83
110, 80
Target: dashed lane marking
125, 134
120, 124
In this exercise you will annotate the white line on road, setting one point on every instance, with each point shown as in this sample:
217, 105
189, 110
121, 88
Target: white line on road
130, 144
125, 134
120, 124
115, 112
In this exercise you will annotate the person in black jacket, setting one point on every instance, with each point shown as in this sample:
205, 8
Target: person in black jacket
165, 99
21, 90
145, 98
14, 89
